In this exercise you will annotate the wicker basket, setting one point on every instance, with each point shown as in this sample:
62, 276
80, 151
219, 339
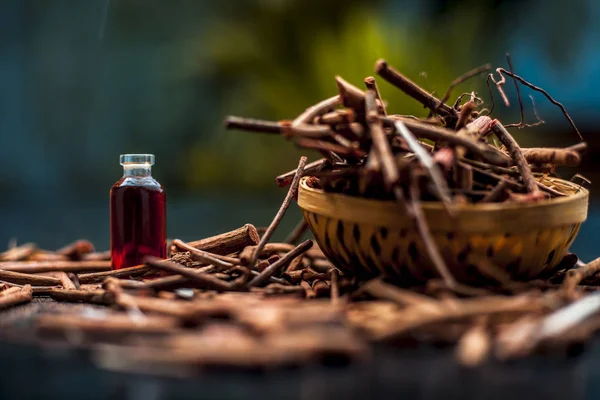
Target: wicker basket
370, 237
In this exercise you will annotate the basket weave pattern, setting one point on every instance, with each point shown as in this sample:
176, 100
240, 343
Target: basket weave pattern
369, 238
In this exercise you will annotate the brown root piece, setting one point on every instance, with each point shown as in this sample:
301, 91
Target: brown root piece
410, 88
322, 145
23, 295
554, 156
320, 108
427, 131
226, 243
287, 178
381, 145
33, 267
280, 264
414, 206
28, 279
76, 249
517, 155
291, 194
465, 113
575, 276
206, 257
252, 125
18, 253
498, 193
440, 184
307, 131
206, 280
372, 85
351, 96
468, 75
130, 272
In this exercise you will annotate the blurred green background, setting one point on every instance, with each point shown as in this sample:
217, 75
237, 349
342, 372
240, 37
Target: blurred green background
84, 81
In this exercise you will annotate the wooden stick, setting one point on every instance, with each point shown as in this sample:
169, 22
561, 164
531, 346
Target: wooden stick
129, 272
65, 280
415, 210
280, 264
575, 276
426, 131
24, 279
228, 242
517, 155
313, 111
335, 289
32, 267
202, 278
351, 96
307, 131
206, 257
497, 193
554, 156
372, 85
18, 253
382, 147
24, 295
287, 178
440, 184
322, 145
410, 88
279, 216
76, 249
252, 125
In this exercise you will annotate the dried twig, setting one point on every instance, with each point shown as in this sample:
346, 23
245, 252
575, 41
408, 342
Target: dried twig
278, 217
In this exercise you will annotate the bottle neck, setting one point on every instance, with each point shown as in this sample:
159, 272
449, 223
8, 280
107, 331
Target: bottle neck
137, 170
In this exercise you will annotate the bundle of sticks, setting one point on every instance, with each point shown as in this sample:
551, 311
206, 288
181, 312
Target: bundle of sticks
456, 155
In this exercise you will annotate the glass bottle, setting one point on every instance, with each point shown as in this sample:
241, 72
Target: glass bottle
137, 213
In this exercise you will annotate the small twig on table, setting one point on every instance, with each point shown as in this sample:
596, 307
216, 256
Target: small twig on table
24, 295
280, 264
291, 194
575, 276
98, 296
475, 345
31, 279
207, 280
33, 267
206, 257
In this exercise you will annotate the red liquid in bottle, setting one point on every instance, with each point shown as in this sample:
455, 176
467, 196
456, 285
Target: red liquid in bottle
137, 220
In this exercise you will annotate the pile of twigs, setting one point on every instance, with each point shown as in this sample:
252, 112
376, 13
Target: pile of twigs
456, 155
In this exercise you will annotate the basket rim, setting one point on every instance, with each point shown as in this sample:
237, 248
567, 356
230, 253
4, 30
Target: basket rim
560, 211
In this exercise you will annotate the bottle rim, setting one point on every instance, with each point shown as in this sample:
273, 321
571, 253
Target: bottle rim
129, 159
